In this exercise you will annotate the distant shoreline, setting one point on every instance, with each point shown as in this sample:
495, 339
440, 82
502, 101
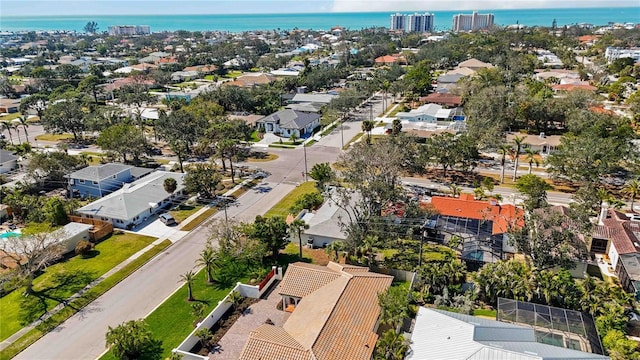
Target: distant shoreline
315, 21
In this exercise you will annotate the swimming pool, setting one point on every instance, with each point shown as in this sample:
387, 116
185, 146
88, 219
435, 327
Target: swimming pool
9, 234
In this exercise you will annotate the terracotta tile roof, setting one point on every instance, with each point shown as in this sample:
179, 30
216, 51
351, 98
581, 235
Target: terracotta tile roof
390, 59
269, 342
301, 279
502, 216
442, 98
335, 322
348, 334
250, 80
571, 87
621, 232
601, 110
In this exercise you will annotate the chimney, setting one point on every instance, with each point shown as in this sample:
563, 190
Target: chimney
542, 135
604, 212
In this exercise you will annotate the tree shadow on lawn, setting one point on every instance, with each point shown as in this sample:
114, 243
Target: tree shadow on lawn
35, 305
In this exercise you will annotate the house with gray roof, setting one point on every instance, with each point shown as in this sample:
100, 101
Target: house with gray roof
135, 202
100, 180
444, 335
8, 161
286, 122
312, 98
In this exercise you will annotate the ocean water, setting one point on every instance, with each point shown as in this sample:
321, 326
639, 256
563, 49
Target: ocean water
317, 21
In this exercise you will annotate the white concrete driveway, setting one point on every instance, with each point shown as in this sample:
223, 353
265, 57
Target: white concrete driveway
156, 228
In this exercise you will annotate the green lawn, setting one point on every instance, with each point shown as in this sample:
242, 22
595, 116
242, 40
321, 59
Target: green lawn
64, 279
254, 136
210, 77
484, 312
184, 211
233, 74
34, 334
199, 219
54, 137
9, 117
172, 321
282, 207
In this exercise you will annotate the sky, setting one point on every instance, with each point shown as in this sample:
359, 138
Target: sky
170, 7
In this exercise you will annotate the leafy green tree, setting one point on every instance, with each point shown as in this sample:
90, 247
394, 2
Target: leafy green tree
202, 179
322, 174
66, 115
137, 96
68, 71
296, 228
83, 248
548, 240
620, 347
52, 166
170, 185
55, 211
396, 127
90, 85
35, 102
124, 140
133, 340
535, 189
188, 278
91, 27
419, 78
181, 130
271, 231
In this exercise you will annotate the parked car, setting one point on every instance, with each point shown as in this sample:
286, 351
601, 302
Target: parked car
167, 219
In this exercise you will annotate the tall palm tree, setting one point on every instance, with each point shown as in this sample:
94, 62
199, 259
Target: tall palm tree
17, 129
334, 249
632, 189
23, 122
188, 278
504, 150
367, 126
518, 141
531, 157
207, 259
391, 346
297, 227
5, 125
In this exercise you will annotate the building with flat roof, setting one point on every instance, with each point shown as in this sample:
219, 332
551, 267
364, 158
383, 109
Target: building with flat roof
129, 30
412, 22
472, 22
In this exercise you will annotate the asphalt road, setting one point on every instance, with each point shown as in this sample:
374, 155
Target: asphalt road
82, 336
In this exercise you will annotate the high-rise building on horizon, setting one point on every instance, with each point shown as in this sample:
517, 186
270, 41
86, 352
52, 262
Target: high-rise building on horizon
129, 30
472, 22
412, 22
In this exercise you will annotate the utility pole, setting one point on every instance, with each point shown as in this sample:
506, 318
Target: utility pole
304, 147
342, 130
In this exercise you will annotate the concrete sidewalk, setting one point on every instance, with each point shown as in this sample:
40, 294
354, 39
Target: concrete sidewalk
173, 236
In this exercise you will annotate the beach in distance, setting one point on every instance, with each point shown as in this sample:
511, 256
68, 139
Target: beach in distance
316, 21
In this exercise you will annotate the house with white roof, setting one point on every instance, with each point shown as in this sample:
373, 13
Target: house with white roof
445, 335
432, 113
136, 202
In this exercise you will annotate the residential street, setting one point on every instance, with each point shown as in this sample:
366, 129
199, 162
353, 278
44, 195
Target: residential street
82, 336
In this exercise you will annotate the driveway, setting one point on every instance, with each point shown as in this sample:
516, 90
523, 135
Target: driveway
233, 341
156, 228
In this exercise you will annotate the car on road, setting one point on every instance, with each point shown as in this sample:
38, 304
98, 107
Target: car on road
167, 219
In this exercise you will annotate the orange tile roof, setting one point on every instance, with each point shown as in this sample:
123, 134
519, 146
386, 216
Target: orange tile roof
502, 216
390, 59
335, 322
571, 87
601, 110
269, 342
301, 279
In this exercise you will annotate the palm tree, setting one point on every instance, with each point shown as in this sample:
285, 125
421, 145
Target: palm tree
531, 156
235, 299
334, 249
296, 227
17, 129
207, 259
518, 141
188, 278
293, 137
632, 189
367, 126
5, 125
504, 151
23, 122
391, 346
455, 190
367, 248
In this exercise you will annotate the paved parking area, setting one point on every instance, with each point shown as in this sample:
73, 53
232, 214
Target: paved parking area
233, 341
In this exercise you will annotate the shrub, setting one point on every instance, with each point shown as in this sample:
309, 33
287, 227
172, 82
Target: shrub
84, 247
309, 201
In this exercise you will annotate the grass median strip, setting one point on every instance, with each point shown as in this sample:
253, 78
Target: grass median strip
199, 219
282, 208
79, 303
172, 321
